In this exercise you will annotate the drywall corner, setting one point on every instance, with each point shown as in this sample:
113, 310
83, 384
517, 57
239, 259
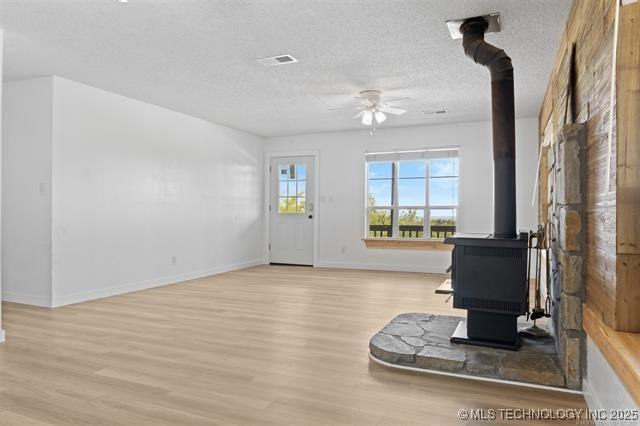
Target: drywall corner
26, 190
2, 337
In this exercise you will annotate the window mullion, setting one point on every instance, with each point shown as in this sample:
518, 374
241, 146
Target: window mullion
427, 211
367, 208
395, 222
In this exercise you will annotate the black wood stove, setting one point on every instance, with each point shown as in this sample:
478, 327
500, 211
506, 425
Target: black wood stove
488, 278
488, 272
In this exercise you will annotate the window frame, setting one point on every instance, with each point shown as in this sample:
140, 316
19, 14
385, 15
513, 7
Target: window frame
395, 208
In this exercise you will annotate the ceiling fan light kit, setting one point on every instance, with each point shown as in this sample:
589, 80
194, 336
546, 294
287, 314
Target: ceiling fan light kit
373, 110
367, 118
380, 116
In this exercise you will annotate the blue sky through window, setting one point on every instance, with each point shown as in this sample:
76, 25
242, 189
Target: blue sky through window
443, 188
380, 190
412, 169
380, 170
411, 192
443, 192
443, 167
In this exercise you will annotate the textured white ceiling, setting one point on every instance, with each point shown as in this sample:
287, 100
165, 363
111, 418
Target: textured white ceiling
198, 56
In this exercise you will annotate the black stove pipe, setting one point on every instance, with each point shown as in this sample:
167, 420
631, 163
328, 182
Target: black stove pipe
503, 117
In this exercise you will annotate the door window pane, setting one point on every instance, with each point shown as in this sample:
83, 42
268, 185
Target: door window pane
291, 188
301, 186
443, 222
411, 223
283, 205
380, 223
301, 172
283, 172
283, 190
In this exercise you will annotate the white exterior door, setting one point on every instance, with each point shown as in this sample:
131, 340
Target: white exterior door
291, 210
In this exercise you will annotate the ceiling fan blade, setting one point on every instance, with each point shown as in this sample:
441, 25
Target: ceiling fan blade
358, 115
380, 116
351, 108
367, 118
391, 110
387, 101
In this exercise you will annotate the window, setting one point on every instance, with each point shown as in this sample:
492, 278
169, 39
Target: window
412, 194
292, 188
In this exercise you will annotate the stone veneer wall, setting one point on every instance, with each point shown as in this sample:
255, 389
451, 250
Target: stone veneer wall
567, 214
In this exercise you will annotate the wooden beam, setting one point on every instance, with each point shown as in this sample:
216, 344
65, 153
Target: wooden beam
628, 170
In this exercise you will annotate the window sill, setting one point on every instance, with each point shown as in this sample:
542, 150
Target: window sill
620, 349
406, 244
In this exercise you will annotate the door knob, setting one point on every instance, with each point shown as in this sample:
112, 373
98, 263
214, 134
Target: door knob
310, 216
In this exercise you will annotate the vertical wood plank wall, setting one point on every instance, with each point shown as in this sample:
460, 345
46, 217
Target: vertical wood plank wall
589, 30
628, 165
613, 207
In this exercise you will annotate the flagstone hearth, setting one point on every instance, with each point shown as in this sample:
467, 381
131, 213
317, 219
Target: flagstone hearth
421, 340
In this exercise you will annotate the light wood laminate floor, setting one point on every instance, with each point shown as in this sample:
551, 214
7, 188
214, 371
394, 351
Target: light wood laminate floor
265, 345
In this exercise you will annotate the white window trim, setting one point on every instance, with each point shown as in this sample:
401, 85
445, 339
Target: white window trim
395, 208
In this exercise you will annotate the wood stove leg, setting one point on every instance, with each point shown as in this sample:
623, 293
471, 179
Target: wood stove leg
488, 329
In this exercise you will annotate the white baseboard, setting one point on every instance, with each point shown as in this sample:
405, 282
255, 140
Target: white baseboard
143, 285
2, 335
590, 396
384, 267
124, 288
26, 299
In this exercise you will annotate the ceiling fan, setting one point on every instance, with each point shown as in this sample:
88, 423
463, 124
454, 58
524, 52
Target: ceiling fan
373, 110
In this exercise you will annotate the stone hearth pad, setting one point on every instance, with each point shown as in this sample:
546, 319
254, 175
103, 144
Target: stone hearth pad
421, 340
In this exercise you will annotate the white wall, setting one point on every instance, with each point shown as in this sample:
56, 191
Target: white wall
126, 186
603, 390
342, 187
26, 192
133, 185
1, 56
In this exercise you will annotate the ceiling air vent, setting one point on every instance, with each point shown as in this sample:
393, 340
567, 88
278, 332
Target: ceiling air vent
435, 112
277, 60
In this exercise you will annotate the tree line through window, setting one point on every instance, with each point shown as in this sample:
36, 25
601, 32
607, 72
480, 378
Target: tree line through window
412, 198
